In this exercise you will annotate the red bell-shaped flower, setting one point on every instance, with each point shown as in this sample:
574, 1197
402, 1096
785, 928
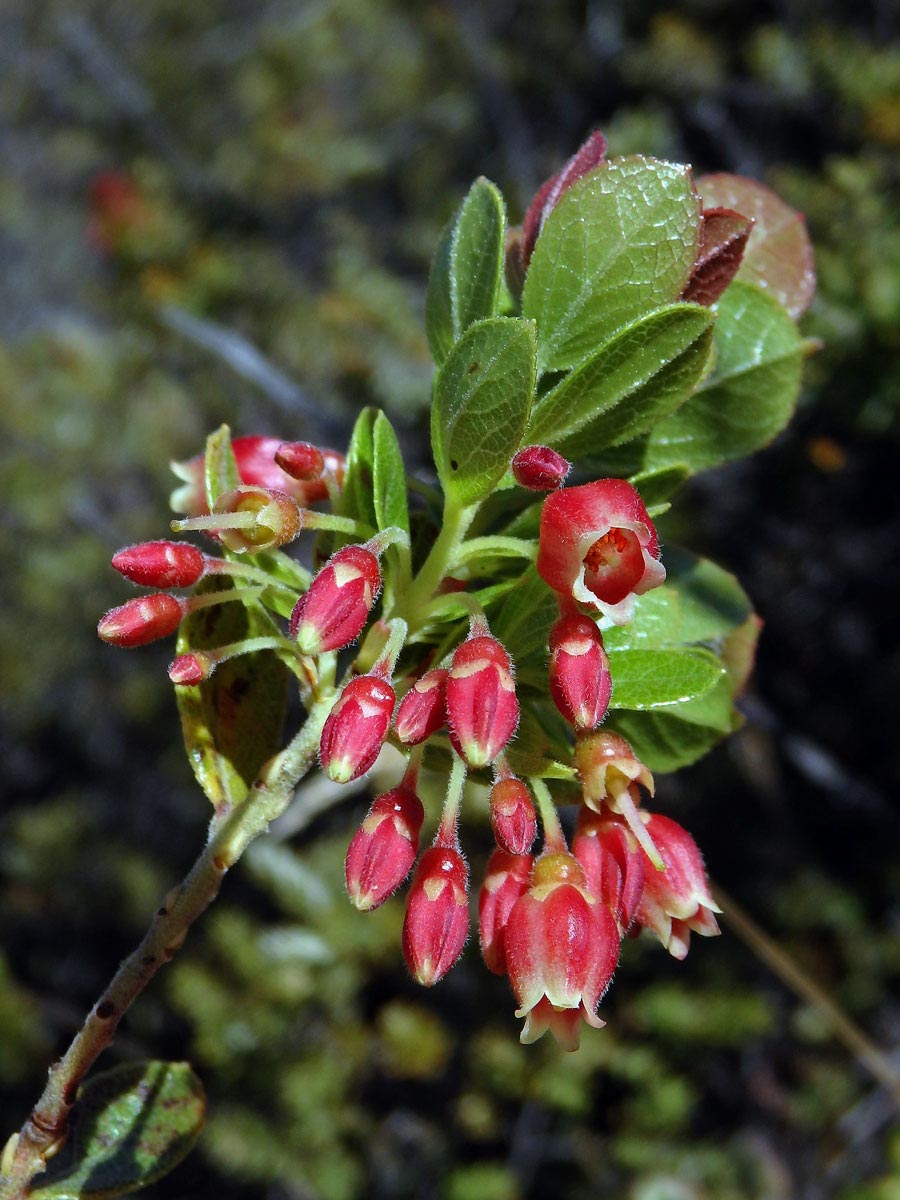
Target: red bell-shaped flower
676, 901
333, 612
562, 946
437, 914
598, 545
613, 864
482, 709
505, 880
356, 727
384, 848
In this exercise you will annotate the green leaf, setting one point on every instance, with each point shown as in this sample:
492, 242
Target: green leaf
358, 491
650, 679
641, 375
751, 393
464, 284
482, 400
658, 485
388, 477
220, 467
524, 621
130, 1126
675, 736
620, 243
698, 604
232, 722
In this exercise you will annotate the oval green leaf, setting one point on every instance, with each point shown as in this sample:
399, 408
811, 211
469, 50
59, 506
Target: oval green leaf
220, 469
640, 376
465, 279
650, 679
358, 491
388, 477
482, 401
680, 734
129, 1127
749, 396
620, 243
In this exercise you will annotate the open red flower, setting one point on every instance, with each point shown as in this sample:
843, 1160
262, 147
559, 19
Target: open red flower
598, 545
676, 901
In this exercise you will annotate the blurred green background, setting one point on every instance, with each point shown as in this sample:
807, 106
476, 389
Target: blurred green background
225, 211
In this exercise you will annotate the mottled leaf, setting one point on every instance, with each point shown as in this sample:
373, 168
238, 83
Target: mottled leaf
482, 401
620, 243
640, 376
779, 255
231, 723
129, 1127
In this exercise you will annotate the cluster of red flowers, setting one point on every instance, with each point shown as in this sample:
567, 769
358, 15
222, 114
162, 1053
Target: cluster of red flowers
553, 922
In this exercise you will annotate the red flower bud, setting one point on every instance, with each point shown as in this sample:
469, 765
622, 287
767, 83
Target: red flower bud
482, 709
255, 457
384, 848
613, 864
333, 612
437, 914
423, 710
513, 818
580, 682
191, 669
585, 159
540, 469
677, 900
301, 460
356, 727
607, 766
598, 544
505, 881
160, 564
142, 620
562, 946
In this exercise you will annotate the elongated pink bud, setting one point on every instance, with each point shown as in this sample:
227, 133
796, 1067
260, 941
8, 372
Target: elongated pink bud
437, 915
540, 469
160, 564
482, 709
356, 727
580, 682
384, 848
505, 881
333, 612
613, 864
562, 946
191, 669
300, 460
423, 710
513, 818
142, 620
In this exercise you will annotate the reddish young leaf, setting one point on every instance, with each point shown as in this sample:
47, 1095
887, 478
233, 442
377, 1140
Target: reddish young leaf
723, 239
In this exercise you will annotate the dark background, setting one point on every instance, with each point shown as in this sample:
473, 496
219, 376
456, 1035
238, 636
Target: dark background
225, 211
